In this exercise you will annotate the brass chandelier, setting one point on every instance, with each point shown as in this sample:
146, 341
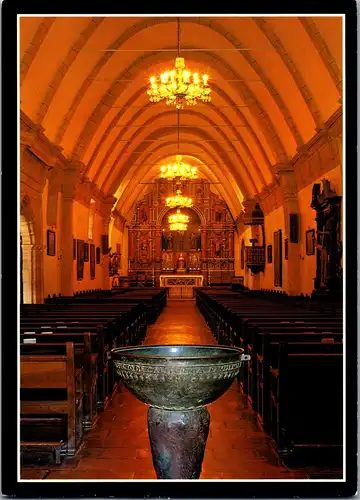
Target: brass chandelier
179, 200
178, 170
178, 221
179, 86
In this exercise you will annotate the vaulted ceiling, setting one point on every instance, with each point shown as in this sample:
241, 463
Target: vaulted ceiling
275, 82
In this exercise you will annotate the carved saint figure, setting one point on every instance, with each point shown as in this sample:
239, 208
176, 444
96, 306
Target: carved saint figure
217, 248
192, 238
164, 242
143, 215
169, 242
181, 263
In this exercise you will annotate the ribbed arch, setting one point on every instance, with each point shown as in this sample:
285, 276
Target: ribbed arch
152, 121
266, 103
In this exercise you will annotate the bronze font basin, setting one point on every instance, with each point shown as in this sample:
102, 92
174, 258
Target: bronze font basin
177, 382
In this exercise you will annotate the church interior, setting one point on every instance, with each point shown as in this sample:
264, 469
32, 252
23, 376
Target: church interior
181, 183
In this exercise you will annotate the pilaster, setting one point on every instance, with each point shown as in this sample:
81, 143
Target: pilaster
286, 176
67, 265
106, 207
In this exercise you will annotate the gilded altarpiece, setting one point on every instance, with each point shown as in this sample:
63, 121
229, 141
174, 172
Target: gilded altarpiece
206, 247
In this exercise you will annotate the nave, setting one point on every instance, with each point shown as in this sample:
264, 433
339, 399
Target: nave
181, 182
118, 447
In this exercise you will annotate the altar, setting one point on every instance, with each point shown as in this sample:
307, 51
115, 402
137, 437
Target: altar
181, 287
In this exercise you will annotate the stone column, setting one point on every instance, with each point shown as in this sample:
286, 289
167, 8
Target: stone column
37, 251
105, 258
292, 279
105, 212
67, 263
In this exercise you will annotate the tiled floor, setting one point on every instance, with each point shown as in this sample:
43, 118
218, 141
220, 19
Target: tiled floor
119, 448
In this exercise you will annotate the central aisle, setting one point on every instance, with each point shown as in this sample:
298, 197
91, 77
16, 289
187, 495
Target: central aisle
119, 447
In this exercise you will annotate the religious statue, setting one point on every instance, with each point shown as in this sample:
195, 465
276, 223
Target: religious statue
164, 242
192, 238
143, 215
217, 248
181, 264
169, 242
198, 242
327, 205
114, 264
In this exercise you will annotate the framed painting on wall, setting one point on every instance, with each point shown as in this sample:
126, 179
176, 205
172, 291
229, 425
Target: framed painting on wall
50, 240
92, 261
310, 242
242, 254
74, 249
86, 252
269, 254
286, 249
277, 258
105, 244
80, 260
97, 255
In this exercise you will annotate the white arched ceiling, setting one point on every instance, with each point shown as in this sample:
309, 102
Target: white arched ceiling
275, 82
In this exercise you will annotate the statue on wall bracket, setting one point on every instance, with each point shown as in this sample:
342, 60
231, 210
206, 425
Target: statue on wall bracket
327, 204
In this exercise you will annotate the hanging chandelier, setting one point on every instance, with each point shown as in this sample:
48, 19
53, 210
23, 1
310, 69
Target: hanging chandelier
178, 221
179, 200
179, 86
178, 169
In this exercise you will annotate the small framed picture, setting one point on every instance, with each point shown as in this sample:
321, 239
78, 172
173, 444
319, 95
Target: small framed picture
278, 258
86, 252
51, 242
74, 249
286, 249
80, 260
269, 254
97, 255
310, 242
92, 261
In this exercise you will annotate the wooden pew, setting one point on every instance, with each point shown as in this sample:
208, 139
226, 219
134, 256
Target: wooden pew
250, 384
85, 357
51, 374
306, 402
268, 356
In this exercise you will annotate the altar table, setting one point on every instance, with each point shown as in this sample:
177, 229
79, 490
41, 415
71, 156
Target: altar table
181, 286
